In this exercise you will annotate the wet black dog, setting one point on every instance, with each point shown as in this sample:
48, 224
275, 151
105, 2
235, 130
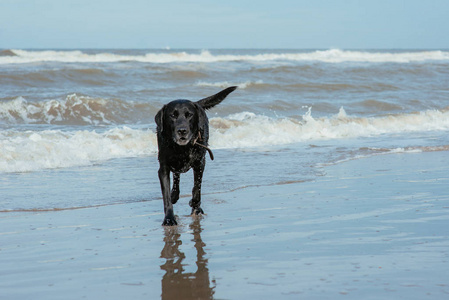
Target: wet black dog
182, 136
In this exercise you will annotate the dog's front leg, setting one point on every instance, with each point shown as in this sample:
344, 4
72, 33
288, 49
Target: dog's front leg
195, 203
164, 178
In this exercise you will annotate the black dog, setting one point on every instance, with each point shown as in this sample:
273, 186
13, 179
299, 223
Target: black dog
182, 136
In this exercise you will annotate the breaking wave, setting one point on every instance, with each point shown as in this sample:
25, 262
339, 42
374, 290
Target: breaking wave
244, 130
224, 84
22, 151
74, 110
31, 151
328, 56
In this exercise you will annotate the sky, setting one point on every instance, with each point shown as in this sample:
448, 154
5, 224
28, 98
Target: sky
207, 24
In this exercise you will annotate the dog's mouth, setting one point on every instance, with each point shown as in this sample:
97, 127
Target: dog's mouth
182, 140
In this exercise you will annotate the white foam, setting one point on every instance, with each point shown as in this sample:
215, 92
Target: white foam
329, 56
224, 84
74, 109
246, 129
22, 151
32, 150
377, 151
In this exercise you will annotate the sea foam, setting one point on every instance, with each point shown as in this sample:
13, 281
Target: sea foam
22, 151
247, 129
224, 84
32, 150
205, 56
73, 110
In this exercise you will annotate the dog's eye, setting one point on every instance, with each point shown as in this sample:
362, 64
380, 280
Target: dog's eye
174, 115
188, 115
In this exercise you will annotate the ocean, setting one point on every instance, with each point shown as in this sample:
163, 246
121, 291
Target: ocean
73, 121
325, 158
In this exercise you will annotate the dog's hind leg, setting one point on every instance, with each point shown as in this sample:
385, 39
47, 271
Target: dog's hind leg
195, 203
175, 190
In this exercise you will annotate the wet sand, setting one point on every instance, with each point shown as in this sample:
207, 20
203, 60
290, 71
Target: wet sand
374, 228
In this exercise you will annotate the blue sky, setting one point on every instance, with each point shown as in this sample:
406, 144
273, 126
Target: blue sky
344, 24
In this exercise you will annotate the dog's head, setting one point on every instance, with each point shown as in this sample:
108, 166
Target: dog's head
180, 120
183, 120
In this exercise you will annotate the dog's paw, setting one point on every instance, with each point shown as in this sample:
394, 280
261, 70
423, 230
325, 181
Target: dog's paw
197, 211
169, 222
169, 219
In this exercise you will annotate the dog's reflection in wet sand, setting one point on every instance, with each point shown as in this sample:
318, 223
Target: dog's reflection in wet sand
176, 284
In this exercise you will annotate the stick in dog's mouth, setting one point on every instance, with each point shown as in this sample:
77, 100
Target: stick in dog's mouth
207, 148
195, 142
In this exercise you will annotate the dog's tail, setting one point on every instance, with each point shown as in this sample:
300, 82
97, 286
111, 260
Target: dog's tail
213, 100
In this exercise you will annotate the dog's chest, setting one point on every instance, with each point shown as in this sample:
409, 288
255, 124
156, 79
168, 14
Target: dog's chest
182, 162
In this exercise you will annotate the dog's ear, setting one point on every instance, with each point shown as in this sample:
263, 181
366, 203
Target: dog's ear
159, 119
213, 100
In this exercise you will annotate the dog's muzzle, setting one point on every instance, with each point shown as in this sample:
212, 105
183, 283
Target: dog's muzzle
182, 136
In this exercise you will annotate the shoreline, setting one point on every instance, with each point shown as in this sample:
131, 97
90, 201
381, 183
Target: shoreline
367, 229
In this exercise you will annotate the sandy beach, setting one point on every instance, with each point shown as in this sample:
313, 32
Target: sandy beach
373, 228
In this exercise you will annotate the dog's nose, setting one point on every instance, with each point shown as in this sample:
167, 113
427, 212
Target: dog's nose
182, 131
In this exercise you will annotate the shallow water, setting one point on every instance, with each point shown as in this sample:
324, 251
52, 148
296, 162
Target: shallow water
94, 108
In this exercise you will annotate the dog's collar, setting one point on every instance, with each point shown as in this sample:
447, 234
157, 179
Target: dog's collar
195, 142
